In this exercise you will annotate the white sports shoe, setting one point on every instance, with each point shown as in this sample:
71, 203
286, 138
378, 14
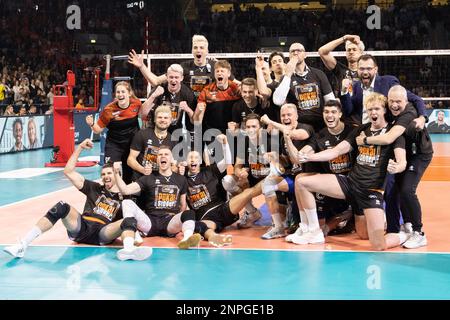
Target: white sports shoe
138, 239
407, 228
192, 241
316, 237
302, 228
137, 253
416, 240
16, 250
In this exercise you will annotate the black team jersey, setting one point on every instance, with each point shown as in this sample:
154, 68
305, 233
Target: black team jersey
307, 93
295, 169
324, 140
339, 73
147, 143
173, 101
370, 168
241, 110
101, 205
162, 194
253, 157
417, 142
204, 189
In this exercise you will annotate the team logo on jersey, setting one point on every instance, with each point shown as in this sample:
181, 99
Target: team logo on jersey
199, 196
166, 197
327, 143
372, 196
106, 207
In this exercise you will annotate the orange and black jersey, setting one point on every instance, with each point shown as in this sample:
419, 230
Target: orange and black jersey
324, 140
219, 105
198, 77
370, 167
205, 189
162, 194
253, 156
101, 205
122, 124
147, 143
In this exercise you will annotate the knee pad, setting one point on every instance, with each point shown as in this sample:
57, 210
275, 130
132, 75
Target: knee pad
129, 224
59, 211
268, 187
200, 227
187, 215
230, 184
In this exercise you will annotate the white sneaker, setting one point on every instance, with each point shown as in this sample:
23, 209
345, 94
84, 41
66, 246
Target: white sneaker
137, 253
138, 239
417, 240
302, 228
407, 228
316, 237
273, 233
16, 250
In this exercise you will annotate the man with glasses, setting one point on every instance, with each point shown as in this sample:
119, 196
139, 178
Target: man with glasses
370, 81
305, 86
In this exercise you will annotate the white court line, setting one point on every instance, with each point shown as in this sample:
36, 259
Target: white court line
25, 173
34, 198
240, 249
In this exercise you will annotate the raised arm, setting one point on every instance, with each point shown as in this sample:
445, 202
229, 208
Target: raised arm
223, 164
325, 51
281, 92
261, 82
124, 188
94, 126
69, 170
138, 61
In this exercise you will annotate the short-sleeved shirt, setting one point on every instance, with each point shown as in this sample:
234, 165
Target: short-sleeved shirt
122, 124
173, 101
241, 110
162, 195
102, 205
219, 105
295, 169
307, 93
204, 189
253, 157
147, 143
370, 168
324, 140
339, 73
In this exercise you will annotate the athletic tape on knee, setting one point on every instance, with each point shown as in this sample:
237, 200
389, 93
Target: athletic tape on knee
269, 186
187, 215
129, 224
230, 184
200, 227
58, 211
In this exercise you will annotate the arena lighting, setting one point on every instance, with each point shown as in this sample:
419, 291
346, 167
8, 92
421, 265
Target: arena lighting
304, 4
93, 41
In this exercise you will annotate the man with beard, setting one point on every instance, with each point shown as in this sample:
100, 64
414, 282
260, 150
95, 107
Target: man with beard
276, 181
212, 213
146, 143
335, 132
101, 222
177, 96
354, 48
248, 104
362, 187
419, 153
305, 86
165, 205
371, 81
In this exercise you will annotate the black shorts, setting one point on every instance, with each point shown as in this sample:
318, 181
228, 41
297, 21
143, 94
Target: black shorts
160, 222
221, 216
89, 233
328, 207
358, 198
